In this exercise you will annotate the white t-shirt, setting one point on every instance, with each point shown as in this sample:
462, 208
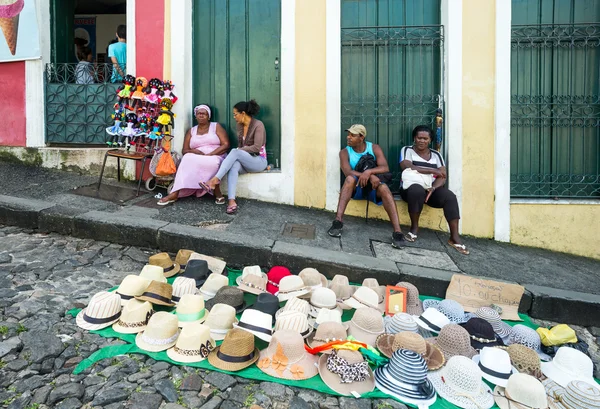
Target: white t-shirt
435, 161
83, 73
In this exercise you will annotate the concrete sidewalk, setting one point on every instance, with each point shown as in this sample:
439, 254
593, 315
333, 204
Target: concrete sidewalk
559, 287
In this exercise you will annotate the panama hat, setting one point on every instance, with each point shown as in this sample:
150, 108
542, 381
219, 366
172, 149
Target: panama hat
524, 335
576, 395
366, 325
346, 372
363, 297
525, 359
250, 270
160, 334
236, 352
103, 309
379, 289
521, 392
164, 260
257, 323
274, 276
182, 286
388, 344
190, 310
312, 278
158, 293
182, 258
569, 365
400, 322
405, 378
460, 383
131, 286
220, 320
454, 340
193, 344
215, 265
414, 305
327, 332
291, 286
491, 315
213, 283
295, 304
134, 317
267, 303
432, 320
482, 334
286, 357
326, 315
322, 298
252, 280
450, 308
495, 365
197, 270
294, 321
228, 295
153, 273
342, 289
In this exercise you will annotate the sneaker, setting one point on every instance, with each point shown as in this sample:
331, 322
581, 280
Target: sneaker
336, 229
398, 240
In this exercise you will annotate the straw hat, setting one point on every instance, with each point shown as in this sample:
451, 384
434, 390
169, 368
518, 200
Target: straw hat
322, 298
153, 273
491, 315
220, 320
274, 276
164, 260
252, 280
181, 286
131, 286
414, 306
236, 352
460, 383
160, 334
291, 286
158, 293
482, 334
405, 377
103, 309
190, 310
267, 303
346, 372
327, 332
454, 340
366, 325
312, 278
569, 365
495, 365
525, 359
342, 289
576, 395
257, 323
182, 258
432, 320
295, 321
400, 322
295, 304
524, 335
215, 265
228, 295
197, 270
521, 392
363, 297
134, 317
213, 283
379, 289
286, 358
193, 345
450, 308
388, 344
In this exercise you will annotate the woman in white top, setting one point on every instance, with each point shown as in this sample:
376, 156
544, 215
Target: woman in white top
424, 176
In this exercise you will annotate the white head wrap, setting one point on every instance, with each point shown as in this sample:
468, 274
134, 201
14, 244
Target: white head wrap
204, 107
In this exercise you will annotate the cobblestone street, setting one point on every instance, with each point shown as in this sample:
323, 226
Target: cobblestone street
42, 276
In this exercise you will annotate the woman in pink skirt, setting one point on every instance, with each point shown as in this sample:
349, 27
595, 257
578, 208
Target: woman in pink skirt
204, 148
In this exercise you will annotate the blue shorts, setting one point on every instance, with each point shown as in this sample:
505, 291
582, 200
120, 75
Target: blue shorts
371, 195
438, 136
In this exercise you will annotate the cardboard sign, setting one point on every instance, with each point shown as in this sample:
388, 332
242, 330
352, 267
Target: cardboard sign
473, 293
395, 300
215, 265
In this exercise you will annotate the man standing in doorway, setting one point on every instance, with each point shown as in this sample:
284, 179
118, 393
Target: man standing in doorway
117, 53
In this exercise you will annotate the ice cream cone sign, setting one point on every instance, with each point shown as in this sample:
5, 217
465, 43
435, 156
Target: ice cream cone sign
9, 21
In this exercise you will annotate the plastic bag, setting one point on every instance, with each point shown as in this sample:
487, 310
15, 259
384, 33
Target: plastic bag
559, 335
166, 164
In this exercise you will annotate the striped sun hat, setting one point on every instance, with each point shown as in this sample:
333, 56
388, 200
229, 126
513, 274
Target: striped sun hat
103, 310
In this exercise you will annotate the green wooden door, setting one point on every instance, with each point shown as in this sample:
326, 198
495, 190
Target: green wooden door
62, 19
236, 53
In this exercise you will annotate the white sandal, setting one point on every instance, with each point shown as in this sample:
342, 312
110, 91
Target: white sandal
411, 237
461, 248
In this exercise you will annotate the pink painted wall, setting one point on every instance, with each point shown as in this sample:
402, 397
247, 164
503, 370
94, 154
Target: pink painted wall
12, 109
149, 38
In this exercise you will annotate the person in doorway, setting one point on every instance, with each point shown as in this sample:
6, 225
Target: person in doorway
367, 173
423, 179
249, 156
204, 148
84, 69
117, 53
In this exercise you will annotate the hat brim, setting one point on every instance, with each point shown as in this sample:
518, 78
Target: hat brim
483, 399
434, 357
493, 379
176, 269
421, 324
314, 311
217, 362
308, 363
82, 323
504, 403
154, 301
127, 330
150, 347
384, 343
352, 303
261, 335
177, 357
361, 335
250, 290
562, 379
346, 389
448, 354
297, 293
408, 395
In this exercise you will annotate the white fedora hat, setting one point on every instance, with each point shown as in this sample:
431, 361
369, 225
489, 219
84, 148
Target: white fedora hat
134, 317
220, 320
160, 334
103, 309
190, 309
213, 283
495, 365
295, 321
153, 273
326, 315
257, 323
569, 365
432, 320
193, 344
322, 298
291, 286
182, 286
131, 286
522, 391
363, 297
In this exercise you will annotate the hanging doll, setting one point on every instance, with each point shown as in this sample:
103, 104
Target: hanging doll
145, 121
168, 91
137, 97
115, 130
130, 130
165, 117
151, 91
124, 91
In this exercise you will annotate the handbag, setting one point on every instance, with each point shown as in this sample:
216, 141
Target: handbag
367, 161
412, 177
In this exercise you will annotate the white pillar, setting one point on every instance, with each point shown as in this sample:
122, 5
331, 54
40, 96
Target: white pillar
131, 52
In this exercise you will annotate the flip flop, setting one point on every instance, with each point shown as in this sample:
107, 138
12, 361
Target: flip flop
231, 209
168, 202
220, 200
461, 248
204, 186
411, 237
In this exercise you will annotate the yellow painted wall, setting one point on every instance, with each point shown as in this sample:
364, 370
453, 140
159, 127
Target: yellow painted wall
569, 228
478, 117
310, 146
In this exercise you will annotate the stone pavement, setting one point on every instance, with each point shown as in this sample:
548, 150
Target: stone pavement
44, 275
557, 285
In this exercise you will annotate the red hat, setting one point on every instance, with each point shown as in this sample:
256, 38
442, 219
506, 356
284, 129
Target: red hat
274, 276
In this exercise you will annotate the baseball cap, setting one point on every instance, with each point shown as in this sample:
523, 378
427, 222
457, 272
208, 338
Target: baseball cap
357, 129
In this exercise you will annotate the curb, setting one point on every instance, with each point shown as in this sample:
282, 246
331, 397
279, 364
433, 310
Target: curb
240, 250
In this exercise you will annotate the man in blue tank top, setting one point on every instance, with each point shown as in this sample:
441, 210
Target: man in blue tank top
366, 171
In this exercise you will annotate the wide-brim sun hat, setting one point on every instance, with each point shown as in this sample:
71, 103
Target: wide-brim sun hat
236, 352
524, 335
569, 365
286, 357
526, 360
363, 297
327, 332
387, 344
347, 373
366, 325
454, 340
576, 395
160, 334
102, 311
491, 315
400, 322
522, 392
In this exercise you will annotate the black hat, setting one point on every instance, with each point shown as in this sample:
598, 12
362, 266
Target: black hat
482, 334
228, 295
197, 270
267, 303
